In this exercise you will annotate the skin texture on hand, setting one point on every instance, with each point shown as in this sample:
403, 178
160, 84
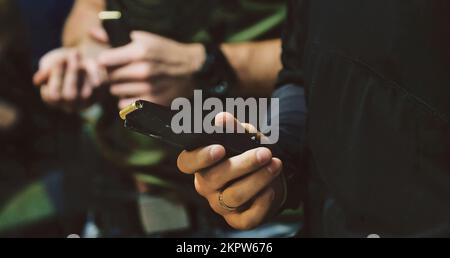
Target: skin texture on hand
67, 78
256, 64
152, 68
250, 181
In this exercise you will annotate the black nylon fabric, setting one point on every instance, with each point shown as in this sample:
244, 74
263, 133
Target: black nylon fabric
377, 82
199, 20
167, 18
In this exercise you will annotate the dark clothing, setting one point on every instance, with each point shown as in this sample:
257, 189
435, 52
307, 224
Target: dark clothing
203, 21
44, 22
376, 76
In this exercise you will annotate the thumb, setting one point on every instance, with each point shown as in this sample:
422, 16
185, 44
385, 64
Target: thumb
229, 122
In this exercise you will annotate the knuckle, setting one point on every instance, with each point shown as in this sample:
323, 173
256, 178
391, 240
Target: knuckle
145, 71
212, 179
208, 177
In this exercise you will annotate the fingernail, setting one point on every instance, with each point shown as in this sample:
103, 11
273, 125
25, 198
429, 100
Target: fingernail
263, 156
274, 168
216, 152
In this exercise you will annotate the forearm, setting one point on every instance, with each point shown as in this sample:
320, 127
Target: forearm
83, 17
256, 65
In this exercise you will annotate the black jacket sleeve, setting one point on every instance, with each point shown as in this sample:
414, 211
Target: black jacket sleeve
293, 108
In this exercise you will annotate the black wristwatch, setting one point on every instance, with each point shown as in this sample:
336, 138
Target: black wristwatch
216, 77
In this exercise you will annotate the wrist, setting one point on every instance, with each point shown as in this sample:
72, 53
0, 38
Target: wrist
238, 56
196, 57
90, 48
216, 77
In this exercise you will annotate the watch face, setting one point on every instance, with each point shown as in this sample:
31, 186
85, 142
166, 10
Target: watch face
221, 88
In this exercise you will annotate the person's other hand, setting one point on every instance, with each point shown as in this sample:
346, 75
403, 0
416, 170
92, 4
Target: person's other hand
152, 68
68, 76
249, 185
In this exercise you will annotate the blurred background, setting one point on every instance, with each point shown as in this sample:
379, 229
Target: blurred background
56, 176
41, 154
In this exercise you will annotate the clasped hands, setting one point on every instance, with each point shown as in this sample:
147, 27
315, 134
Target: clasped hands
151, 68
